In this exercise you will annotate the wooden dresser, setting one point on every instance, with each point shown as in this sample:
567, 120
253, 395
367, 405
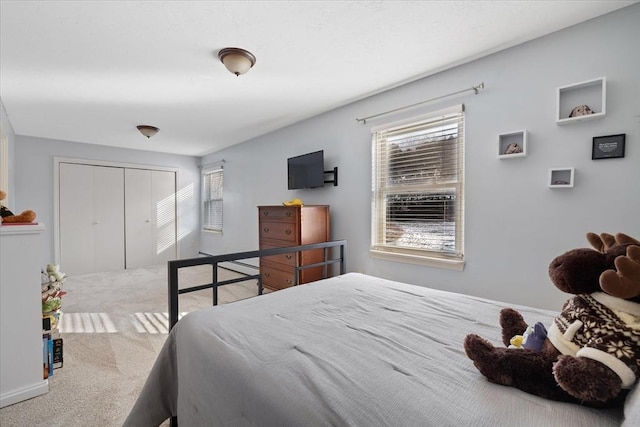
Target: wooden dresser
281, 226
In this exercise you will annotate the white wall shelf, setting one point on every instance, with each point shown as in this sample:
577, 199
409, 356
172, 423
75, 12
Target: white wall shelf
561, 177
591, 92
518, 137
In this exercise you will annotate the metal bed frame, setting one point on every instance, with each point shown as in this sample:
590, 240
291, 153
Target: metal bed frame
215, 260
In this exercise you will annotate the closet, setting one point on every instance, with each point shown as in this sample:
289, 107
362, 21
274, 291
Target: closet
150, 217
113, 217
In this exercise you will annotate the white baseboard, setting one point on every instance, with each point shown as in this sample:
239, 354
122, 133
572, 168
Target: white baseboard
14, 396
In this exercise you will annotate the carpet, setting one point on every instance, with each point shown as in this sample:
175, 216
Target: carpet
113, 326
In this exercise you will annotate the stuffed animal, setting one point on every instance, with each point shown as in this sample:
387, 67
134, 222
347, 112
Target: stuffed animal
54, 274
513, 148
581, 110
8, 217
591, 354
533, 338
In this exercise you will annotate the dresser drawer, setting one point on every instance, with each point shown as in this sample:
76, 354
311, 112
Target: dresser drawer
274, 278
279, 213
287, 261
284, 231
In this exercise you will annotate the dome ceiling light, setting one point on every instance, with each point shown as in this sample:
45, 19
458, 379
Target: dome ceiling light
237, 60
147, 130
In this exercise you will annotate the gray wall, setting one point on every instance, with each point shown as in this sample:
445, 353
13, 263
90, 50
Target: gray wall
515, 225
34, 183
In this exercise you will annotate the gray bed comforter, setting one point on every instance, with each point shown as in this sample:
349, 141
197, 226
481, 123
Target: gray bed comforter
353, 350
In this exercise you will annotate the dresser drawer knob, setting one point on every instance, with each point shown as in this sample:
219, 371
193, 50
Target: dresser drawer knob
266, 229
288, 256
265, 213
267, 275
287, 231
288, 213
289, 282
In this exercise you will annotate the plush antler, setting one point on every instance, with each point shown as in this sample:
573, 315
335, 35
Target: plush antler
602, 242
623, 239
624, 282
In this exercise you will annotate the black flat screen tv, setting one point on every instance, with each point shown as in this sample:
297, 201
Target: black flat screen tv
306, 171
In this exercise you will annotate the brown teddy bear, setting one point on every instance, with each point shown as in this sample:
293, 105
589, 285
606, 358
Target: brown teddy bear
591, 353
8, 217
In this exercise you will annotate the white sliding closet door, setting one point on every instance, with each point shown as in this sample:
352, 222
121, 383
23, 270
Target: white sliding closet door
138, 217
150, 217
91, 218
163, 194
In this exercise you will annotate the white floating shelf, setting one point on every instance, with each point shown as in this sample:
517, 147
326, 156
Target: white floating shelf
506, 139
561, 177
591, 92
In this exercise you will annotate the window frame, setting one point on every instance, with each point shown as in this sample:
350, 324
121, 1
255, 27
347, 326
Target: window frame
379, 248
206, 226
4, 165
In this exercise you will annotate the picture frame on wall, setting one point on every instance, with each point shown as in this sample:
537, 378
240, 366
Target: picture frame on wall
608, 147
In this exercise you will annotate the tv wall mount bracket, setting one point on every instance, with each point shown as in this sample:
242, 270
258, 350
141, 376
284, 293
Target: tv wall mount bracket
334, 172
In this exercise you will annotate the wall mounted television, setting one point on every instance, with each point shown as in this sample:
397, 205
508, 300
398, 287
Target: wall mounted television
306, 171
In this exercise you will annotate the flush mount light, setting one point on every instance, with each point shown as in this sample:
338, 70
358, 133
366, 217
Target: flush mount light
147, 130
237, 60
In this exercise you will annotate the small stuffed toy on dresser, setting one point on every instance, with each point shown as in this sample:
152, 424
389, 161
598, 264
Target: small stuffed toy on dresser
9, 218
591, 352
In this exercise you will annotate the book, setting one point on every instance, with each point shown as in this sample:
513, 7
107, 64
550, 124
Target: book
45, 356
57, 353
46, 323
50, 354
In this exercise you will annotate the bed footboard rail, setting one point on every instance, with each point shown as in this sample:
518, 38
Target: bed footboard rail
214, 260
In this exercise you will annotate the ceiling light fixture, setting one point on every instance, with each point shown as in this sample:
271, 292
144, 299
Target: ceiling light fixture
237, 60
147, 130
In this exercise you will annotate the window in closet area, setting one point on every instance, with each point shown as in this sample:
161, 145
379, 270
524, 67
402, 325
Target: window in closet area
4, 164
418, 183
212, 200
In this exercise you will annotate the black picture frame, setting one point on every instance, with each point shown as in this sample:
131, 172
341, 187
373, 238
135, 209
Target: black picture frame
608, 147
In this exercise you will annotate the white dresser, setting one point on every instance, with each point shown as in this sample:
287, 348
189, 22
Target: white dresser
21, 367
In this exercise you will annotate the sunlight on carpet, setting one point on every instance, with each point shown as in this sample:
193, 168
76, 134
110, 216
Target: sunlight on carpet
100, 323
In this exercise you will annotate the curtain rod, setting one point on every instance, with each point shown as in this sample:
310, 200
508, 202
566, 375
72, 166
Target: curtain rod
474, 88
220, 163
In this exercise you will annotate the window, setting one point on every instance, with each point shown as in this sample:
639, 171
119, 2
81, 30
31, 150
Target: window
4, 164
212, 200
418, 177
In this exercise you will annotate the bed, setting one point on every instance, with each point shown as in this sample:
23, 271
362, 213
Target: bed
350, 350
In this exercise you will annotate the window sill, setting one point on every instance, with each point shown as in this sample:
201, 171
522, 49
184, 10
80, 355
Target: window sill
418, 260
204, 230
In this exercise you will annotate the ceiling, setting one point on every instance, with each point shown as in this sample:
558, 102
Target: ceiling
91, 71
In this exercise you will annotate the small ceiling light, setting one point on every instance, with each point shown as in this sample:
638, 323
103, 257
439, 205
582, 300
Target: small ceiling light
147, 130
237, 60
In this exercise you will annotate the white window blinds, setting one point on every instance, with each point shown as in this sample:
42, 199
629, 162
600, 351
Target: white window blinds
418, 177
212, 200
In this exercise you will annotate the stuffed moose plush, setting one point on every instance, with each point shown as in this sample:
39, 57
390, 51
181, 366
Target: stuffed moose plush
591, 353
